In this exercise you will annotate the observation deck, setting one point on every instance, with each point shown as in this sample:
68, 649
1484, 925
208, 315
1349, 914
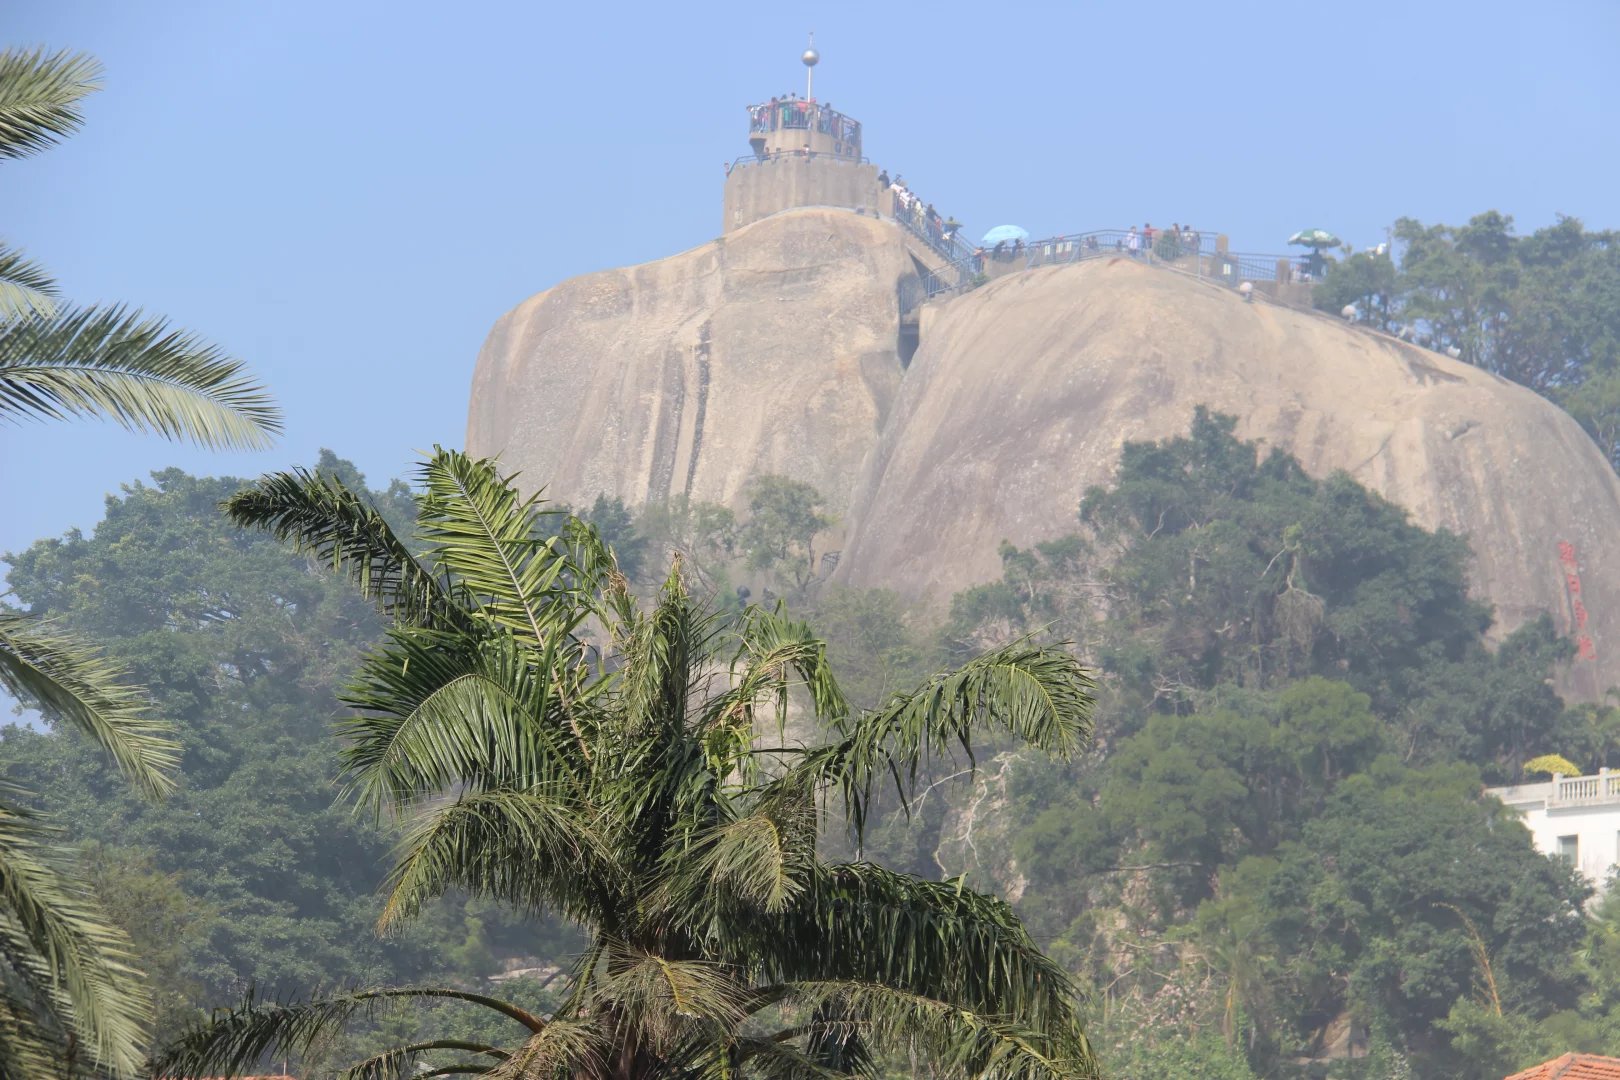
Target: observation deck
795, 125
804, 153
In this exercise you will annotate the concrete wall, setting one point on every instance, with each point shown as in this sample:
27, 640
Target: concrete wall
755, 191
1595, 824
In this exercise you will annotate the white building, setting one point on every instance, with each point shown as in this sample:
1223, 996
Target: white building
1576, 818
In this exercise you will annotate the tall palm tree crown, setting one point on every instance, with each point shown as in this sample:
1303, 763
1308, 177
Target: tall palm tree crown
550, 742
70, 998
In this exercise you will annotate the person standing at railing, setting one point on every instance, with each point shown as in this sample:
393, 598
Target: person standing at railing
883, 179
1133, 242
1148, 233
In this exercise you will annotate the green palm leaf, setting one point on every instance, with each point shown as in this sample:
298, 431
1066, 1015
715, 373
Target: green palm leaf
39, 97
958, 1041
777, 656
71, 683
436, 711
319, 515
76, 966
136, 370
491, 540
402, 1060
561, 1048
1041, 696
535, 849
937, 938
25, 288
28, 1044
234, 1041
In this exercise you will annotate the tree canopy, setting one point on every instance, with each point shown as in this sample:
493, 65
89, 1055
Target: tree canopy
1542, 310
552, 745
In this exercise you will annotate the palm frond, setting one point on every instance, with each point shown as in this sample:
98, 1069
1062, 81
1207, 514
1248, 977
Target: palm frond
1041, 696
864, 923
319, 515
763, 860
235, 1040
536, 849
563, 1048
77, 966
659, 1002
436, 710
665, 655
30, 1046
40, 94
490, 539
956, 1041
25, 288
774, 658
772, 1059
135, 370
73, 684
402, 1060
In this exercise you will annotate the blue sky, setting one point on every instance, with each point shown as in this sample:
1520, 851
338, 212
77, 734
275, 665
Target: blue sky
347, 195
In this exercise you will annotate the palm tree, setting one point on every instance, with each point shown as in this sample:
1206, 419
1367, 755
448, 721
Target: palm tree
551, 742
70, 998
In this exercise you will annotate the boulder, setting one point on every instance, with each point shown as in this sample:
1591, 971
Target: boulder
770, 350
1022, 393
774, 350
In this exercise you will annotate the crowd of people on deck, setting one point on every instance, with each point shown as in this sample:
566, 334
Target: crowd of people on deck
911, 208
791, 112
1171, 243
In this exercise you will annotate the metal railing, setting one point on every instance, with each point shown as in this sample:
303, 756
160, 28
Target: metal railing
794, 155
1196, 253
947, 244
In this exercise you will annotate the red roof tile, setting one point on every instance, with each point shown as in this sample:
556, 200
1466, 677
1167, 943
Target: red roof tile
1573, 1067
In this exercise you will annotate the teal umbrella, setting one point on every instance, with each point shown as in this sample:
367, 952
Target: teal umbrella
1314, 238
1003, 233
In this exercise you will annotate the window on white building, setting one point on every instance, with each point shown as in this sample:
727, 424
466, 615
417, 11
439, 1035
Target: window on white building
1569, 849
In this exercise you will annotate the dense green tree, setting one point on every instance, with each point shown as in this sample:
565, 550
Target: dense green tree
871, 642
1542, 310
1408, 894
617, 526
779, 535
1367, 281
1211, 563
244, 647
69, 997
702, 534
616, 776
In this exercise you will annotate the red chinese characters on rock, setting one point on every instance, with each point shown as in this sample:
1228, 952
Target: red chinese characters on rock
1584, 648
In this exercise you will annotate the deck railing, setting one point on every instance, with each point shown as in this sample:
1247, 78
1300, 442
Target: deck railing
1197, 254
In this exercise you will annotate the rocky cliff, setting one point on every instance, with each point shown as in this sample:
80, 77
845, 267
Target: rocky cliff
770, 350
774, 350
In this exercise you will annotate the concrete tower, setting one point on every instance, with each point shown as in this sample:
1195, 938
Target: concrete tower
804, 154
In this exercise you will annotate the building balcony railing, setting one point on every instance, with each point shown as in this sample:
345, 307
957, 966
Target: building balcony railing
1572, 790
1564, 791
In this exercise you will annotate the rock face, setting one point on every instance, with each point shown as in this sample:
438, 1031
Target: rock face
771, 350
774, 351
1023, 391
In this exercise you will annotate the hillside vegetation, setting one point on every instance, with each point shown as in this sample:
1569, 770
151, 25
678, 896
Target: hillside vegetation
1276, 852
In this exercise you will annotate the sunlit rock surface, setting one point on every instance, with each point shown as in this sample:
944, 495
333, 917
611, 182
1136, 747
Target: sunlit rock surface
771, 350
774, 350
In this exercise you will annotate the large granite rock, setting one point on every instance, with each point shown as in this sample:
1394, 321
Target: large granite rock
774, 350
770, 350
1023, 391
